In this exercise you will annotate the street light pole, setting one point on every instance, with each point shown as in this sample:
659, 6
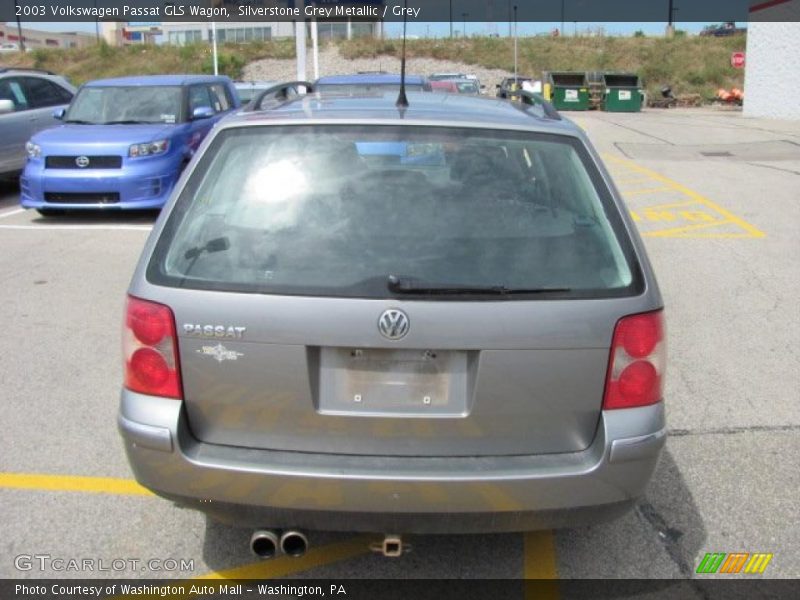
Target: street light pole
214, 46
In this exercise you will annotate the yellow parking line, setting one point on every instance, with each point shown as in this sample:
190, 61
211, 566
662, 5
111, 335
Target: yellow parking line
646, 191
754, 232
72, 483
684, 229
632, 179
650, 207
540, 556
317, 556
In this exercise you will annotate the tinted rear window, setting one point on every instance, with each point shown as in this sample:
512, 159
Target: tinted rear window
335, 210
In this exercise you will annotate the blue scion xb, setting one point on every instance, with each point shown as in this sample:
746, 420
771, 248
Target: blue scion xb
123, 142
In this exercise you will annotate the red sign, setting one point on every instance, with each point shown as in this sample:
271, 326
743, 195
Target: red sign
737, 60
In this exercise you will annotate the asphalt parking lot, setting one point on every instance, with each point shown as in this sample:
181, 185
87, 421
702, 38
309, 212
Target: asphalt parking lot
716, 197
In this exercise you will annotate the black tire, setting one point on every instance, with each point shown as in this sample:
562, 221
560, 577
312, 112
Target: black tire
51, 212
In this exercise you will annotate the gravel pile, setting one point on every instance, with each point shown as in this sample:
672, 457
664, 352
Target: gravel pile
332, 63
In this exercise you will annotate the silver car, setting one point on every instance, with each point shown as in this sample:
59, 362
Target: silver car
28, 98
249, 90
354, 316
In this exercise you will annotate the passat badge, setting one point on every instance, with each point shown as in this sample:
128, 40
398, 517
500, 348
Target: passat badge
219, 353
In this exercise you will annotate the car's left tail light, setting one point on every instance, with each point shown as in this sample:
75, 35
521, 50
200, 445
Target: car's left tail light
637, 362
150, 349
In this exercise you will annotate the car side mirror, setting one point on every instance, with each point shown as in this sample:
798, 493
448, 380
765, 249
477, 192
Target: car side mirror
6, 106
59, 113
202, 112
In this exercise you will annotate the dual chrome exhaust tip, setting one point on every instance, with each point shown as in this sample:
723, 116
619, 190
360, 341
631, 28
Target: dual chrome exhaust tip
266, 544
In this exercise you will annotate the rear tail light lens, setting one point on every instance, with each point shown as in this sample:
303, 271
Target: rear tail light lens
150, 349
637, 363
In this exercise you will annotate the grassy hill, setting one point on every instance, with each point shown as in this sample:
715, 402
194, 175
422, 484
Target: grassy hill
691, 65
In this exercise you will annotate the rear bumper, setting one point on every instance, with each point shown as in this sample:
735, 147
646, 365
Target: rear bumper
251, 487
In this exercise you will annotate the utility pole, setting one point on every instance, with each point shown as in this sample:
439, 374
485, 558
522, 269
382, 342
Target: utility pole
670, 24
451, 19
515, 43
464, 16
96, 25
19, 29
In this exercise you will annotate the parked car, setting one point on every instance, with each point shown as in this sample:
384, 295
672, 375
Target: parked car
362, 83
247, 90
326, 342
507, 87
723, 29
9, 47
466, 84
444, 86
123, 142
27, 100
446, 76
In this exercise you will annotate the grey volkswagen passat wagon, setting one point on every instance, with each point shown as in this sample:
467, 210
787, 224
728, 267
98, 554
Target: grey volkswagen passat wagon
355, 316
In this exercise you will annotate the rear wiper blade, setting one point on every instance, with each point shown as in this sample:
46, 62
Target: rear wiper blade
413, 286
219, 244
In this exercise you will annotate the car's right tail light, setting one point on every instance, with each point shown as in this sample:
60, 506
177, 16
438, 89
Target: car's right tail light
150, 349
637, 362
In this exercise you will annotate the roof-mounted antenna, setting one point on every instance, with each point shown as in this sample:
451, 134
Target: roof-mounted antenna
402, 101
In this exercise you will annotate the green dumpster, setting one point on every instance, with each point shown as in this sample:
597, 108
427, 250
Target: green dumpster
568, 90
623, 92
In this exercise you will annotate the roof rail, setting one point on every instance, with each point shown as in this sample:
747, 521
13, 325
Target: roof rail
534, 99
28, 69
278, 92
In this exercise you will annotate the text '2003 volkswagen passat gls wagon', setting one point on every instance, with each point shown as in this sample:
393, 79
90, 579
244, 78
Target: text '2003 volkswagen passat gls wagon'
464, 336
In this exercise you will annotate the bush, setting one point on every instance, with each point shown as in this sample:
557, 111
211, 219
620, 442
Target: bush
104, 51
40, 56
231, 65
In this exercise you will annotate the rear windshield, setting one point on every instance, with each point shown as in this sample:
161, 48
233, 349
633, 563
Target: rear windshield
336, 210
467, 87
247, 94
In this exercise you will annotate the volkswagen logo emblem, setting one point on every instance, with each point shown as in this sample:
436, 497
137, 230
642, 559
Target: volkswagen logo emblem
82, 161
393, 324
